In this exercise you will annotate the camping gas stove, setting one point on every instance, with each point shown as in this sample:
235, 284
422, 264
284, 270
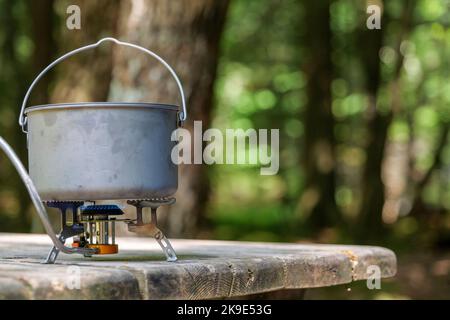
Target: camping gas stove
104, 151
93, 226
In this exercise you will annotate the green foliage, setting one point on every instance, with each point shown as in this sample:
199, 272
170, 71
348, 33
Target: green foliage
16, 50
261, 78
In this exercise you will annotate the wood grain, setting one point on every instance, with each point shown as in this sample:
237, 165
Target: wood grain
205, 270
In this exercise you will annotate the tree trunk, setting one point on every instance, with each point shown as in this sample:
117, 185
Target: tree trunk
86, 76
318, 200
42, 23
370, 225
42, 34
377, 126
187, 35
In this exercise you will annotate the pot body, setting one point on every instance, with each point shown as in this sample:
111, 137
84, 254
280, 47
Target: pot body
102, 151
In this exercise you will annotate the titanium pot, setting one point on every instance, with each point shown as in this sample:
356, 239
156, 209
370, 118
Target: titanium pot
102, 150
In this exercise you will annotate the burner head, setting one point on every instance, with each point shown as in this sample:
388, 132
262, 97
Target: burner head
102, 209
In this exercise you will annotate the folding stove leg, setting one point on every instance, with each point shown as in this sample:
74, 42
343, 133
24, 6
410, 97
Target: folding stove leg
66, 231
159, 236
152, 228
166, 247
53, 254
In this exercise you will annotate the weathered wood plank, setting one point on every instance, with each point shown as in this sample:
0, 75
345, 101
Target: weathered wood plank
205, 270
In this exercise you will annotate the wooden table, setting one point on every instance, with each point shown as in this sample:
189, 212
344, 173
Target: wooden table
206, 269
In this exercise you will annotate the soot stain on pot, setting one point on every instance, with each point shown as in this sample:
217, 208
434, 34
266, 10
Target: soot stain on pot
56, 140
112, 178
50, 118
88, 124
113, 123
117, 146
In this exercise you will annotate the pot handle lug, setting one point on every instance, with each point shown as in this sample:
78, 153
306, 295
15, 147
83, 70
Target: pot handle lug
182, 115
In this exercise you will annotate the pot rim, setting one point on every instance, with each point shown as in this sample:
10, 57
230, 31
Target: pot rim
75, 105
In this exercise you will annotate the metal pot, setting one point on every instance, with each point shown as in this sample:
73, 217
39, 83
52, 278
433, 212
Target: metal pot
102, 150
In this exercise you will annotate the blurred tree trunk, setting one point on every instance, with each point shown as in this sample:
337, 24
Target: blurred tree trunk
187, 35
42, 18
318, 199
371, 225
86, 76
42, 26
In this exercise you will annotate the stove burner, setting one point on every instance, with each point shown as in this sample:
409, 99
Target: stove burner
94, 226
108, 209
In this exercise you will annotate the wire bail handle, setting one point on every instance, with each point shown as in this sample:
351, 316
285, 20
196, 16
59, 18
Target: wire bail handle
182, 115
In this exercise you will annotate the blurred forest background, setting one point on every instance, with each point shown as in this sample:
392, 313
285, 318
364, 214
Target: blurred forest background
364, 116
